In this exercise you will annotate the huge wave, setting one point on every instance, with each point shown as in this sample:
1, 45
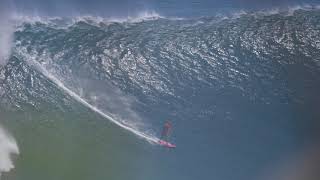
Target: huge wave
134, 68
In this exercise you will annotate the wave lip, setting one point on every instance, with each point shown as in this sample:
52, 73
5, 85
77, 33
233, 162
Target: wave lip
63, 22
8, 147
140, 17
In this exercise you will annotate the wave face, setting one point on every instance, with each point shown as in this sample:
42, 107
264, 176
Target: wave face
163, 58
143, 71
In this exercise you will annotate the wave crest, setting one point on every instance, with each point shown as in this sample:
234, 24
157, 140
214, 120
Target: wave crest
94, 20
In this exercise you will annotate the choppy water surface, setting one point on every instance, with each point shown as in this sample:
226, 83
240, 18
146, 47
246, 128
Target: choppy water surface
81, 95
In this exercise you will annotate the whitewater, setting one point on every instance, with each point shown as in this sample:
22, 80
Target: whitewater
56, 81
8, 148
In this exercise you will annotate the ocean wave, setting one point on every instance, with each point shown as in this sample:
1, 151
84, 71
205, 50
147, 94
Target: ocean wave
113, 101
163, 62
64, 22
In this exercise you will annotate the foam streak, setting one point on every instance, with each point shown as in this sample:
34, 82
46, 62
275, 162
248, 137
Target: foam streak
56, 81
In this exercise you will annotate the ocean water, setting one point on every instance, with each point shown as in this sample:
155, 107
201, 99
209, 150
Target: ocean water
86, 97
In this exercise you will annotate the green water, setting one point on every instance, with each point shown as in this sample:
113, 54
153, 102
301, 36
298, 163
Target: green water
57, 145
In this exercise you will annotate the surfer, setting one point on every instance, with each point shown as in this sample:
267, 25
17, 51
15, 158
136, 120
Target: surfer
165, 131
163, 141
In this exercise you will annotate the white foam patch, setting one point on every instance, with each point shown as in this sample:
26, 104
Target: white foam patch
142, 16
19, 19
8, 147
288, 11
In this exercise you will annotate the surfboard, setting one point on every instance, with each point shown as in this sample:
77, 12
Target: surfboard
166, 144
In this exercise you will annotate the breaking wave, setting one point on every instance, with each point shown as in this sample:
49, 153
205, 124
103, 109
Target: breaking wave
153, 62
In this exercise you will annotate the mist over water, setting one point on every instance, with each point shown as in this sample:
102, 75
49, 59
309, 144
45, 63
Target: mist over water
8, 148
6, 32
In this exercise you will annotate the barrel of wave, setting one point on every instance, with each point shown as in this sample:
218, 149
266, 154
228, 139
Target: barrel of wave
8, 147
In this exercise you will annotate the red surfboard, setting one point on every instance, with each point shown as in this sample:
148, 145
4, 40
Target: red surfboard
166, 144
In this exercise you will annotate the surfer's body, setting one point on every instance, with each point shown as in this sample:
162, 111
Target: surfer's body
163, 141
166, 130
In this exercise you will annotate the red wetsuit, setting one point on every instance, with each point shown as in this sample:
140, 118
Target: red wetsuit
166, 129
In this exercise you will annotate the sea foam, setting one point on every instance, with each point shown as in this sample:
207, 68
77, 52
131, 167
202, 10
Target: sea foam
8, 147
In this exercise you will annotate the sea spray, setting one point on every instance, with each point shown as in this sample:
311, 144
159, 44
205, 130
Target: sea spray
6, 33
8, 147
38, 66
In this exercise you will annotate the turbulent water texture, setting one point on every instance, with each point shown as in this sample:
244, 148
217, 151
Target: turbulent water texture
165, 58
141, 71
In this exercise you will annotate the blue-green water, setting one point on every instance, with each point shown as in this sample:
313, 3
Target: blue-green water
241, 92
